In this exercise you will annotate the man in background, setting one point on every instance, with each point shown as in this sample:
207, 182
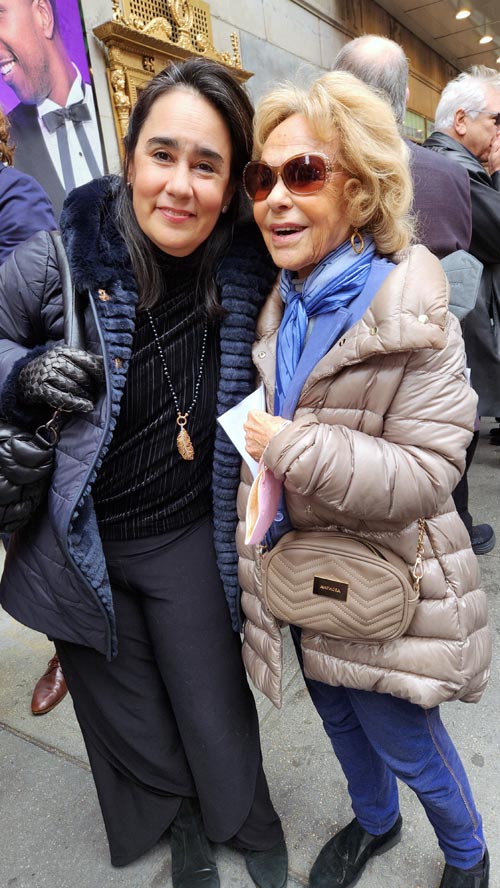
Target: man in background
441, 202
54, 126
467, 132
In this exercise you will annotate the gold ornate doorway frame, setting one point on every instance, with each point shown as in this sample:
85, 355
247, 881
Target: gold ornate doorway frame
144, 36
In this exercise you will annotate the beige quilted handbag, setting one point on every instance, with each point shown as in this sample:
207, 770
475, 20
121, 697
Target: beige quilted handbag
341, 586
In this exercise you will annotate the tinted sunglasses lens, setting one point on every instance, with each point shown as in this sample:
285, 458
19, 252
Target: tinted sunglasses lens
305, 174
259, 180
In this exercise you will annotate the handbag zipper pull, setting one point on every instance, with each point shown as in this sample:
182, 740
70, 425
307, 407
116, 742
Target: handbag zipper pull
49, 431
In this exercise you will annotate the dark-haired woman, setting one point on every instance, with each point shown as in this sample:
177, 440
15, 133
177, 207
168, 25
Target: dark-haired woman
122, 569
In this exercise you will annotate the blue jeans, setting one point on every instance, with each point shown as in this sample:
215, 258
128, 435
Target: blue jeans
376, 738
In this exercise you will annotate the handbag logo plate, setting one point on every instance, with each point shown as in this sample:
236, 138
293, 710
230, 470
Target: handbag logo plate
330, 588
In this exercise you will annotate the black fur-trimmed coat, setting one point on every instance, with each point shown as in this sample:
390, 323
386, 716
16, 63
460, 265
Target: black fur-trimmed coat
55, 577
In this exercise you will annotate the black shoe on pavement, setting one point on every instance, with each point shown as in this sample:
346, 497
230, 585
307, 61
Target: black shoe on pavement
460, 878
495, 435
268, 869
482, 538
342, 860
193, 862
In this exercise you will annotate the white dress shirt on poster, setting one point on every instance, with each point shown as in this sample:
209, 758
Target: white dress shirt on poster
81, 170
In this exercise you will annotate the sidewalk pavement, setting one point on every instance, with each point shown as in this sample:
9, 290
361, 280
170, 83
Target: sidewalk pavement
51, 831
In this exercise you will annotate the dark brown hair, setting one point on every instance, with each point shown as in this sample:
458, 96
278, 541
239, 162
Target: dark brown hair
216, 85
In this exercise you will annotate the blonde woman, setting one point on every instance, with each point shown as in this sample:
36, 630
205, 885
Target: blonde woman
369, 415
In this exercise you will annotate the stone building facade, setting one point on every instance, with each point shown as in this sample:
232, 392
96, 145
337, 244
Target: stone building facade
278, 40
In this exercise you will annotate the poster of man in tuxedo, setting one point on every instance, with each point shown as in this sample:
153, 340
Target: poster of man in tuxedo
45, 88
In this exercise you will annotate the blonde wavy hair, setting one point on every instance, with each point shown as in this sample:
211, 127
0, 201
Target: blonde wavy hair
378, 192
6, 150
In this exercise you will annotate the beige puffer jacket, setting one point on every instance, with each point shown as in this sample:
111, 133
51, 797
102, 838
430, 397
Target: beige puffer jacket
378, 441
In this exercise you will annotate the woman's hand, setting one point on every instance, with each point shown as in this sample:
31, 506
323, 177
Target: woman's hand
64, 378
259, 429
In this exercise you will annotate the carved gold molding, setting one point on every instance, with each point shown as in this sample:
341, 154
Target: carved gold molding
144, 36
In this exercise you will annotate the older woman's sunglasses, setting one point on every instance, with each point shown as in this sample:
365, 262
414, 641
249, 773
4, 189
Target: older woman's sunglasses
301, 174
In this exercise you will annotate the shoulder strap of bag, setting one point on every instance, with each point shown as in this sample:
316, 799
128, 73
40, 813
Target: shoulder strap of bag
74, 334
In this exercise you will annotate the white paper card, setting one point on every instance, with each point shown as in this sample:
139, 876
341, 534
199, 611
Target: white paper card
232, 423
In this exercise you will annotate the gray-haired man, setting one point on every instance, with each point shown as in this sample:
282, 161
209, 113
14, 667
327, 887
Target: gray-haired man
442, 198
468, 132
441, 191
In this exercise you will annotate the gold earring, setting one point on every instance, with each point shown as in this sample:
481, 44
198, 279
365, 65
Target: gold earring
357, 242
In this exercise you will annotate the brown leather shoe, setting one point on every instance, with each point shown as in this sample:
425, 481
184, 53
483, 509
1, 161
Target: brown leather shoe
50, 689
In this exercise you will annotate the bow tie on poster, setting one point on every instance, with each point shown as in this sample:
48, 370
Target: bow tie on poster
77, 113
55, 121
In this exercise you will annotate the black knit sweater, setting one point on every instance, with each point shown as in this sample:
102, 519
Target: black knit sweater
144, 487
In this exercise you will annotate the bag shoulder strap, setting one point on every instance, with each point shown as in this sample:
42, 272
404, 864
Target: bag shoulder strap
74, 331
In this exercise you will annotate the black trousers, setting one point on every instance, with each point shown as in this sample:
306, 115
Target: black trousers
172, 715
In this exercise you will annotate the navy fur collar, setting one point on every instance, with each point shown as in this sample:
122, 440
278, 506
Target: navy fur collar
97, 253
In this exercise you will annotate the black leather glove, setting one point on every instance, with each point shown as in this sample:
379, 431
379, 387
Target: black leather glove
65, 378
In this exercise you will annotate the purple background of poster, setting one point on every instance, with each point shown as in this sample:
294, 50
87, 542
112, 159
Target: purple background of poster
70, 25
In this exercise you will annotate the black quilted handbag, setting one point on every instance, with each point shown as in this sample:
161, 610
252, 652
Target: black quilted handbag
27, 459
26, 464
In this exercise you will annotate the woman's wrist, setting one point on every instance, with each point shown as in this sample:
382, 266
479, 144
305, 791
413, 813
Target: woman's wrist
286, 422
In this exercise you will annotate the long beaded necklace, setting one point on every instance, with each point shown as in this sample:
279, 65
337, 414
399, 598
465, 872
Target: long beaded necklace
184, 443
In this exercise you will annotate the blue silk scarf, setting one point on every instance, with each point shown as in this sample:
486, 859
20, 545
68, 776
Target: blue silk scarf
333, 284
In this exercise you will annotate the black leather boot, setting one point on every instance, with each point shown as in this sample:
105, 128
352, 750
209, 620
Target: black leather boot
459, 878
193, 862
268, 869
343, 858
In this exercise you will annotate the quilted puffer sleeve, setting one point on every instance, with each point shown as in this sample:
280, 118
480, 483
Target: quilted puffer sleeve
31, 314
405, 472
